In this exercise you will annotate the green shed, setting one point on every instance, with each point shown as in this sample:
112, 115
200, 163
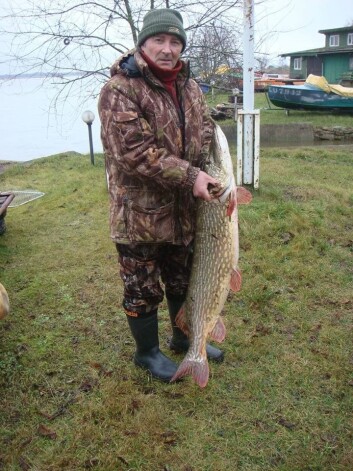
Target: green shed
334, 61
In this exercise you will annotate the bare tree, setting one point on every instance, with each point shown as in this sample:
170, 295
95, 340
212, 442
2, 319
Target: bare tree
215, 51
73, 42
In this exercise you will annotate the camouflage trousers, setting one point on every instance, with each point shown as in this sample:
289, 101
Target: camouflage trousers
143, 267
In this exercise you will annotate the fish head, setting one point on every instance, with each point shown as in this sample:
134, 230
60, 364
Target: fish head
219, 165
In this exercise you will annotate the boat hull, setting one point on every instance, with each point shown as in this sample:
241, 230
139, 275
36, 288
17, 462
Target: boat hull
308, 97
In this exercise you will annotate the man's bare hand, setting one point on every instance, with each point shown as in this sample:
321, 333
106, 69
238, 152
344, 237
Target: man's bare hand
200, 189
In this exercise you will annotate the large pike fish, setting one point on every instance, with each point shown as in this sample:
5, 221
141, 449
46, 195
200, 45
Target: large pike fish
215, 263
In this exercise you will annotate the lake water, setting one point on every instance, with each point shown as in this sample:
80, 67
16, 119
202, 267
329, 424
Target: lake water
31, 129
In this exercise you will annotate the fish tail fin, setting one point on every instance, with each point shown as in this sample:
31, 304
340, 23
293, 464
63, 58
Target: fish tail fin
243, 195
235, 280
199, 370
218, 332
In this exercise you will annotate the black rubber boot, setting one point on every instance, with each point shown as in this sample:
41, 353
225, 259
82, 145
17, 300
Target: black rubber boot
179, 343
148, 355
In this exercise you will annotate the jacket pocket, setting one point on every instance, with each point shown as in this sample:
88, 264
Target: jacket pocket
149, 224
129, 129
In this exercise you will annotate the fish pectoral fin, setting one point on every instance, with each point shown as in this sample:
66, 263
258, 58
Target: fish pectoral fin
199, 370
180, 321
230, 208
235, 280
243, 195
218, 333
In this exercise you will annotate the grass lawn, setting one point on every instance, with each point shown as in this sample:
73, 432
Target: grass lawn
270, 114
70, 396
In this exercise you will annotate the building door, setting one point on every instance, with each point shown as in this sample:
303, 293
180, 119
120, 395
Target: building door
314, 65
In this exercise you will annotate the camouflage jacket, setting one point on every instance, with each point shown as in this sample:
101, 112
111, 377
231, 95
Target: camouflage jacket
153, 152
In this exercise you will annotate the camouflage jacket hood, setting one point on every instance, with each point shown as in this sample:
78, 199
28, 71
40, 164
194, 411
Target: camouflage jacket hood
153, 152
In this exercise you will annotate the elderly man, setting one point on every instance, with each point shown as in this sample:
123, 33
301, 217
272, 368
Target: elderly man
156, 133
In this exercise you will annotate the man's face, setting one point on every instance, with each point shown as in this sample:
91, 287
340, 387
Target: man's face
163, 49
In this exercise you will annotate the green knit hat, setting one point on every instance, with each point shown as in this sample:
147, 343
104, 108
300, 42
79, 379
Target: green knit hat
163, 20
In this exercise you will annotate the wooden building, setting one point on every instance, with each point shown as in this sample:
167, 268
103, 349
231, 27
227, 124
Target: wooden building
334, 61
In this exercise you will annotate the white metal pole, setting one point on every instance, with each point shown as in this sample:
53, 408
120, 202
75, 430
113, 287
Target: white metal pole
240, 148
248, 91
248, 56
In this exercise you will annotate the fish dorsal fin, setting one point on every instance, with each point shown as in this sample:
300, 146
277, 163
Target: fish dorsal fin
218, 332
243, 195
235, 280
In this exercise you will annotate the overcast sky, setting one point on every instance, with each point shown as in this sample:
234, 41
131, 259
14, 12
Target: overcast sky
289, 25
296, 23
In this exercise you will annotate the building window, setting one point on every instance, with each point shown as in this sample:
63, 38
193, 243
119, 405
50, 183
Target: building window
297, 63
334, 40
350, 64
350, 39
